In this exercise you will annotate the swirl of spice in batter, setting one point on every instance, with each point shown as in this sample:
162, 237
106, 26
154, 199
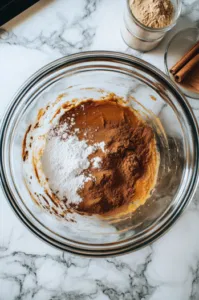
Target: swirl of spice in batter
99, 158
127, 170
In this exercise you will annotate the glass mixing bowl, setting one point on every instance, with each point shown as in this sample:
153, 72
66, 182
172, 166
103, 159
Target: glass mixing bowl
146, 89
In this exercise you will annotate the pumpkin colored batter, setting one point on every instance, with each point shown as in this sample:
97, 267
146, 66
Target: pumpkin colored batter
128, 169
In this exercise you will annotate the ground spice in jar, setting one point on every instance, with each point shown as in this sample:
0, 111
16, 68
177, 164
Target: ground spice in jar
152, 13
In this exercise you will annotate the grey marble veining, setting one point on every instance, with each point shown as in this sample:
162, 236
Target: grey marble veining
191, 9
71, 36
31, 269
31, 280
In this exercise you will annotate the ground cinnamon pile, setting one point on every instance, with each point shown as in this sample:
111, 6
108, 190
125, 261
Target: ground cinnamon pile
126, 171
186, 70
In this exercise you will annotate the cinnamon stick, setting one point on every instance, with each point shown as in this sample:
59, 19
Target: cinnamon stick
179, 76
191, 53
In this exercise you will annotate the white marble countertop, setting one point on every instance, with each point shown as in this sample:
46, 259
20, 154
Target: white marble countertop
29, 268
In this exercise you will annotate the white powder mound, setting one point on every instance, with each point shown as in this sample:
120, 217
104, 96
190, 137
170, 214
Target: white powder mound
64, 159
96, 161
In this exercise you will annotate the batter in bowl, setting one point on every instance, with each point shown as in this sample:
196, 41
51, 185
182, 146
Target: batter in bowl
106, 156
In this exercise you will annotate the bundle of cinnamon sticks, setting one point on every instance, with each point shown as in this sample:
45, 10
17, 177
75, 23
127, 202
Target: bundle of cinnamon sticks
186, 64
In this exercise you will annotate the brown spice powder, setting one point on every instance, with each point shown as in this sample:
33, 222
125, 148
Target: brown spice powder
129, 165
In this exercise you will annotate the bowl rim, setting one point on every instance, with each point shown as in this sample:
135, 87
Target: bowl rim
77, 58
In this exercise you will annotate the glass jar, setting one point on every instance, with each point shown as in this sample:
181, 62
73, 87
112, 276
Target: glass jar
142, 38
